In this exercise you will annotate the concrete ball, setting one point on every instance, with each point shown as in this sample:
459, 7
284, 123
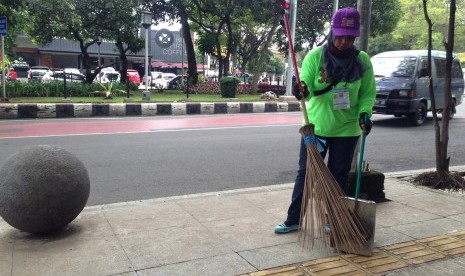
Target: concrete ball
42, 189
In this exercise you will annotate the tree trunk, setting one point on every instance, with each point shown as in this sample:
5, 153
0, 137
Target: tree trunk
449, 45
85, 58
220, 67
263, 54
192, 74
124, 62
229, 49
437, 127
442, 134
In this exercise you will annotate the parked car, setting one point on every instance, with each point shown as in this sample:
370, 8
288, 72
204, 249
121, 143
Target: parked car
133, 76
21, 69
72, 70
106, 77
402, 83
153, 76
60, 76
36, 73
162, 81
177, 83
12, 75
108, 74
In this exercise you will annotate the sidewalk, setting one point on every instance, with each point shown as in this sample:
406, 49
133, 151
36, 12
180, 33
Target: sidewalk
231, 233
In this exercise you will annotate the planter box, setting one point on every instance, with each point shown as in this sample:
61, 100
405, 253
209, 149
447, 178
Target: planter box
371, 186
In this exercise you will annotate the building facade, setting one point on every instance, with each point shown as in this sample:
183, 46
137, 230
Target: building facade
166, 53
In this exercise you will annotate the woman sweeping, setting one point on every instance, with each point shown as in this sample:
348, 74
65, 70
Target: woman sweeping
339, 84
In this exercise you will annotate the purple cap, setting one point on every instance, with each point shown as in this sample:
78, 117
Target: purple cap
346, 22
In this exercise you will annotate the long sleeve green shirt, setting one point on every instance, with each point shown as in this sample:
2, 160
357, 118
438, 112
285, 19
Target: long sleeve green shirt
320, 109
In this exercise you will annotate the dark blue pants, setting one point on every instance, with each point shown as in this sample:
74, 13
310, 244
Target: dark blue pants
340, 153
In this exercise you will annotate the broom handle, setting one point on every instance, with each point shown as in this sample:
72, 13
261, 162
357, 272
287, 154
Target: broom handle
360, 161
294, 63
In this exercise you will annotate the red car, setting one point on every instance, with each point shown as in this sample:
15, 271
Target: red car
133, 76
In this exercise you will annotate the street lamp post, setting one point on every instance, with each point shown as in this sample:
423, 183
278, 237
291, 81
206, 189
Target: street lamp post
99, 41
182, 58
146, 21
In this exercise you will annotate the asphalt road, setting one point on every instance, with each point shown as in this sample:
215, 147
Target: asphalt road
141, 158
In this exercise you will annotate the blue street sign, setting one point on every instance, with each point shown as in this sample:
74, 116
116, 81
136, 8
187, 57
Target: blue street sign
3, 25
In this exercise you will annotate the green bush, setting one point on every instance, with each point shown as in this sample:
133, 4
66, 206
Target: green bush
56, 89
228, 87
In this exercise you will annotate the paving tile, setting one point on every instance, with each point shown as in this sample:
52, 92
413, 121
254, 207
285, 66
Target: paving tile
93, 222
223, 265
132, 273
273, 202
214, 208
159, 247
458, 235
445, 267
430, 228
393, 213
69, 253
147, 216
459, 217
278, 255
436, 203
379, 263
387, 236
331, 266
414, 252
291, 270
6, 250
249, 231
446, 244
7, 232
394, 189
270, 197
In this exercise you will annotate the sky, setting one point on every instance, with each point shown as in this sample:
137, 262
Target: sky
166, 25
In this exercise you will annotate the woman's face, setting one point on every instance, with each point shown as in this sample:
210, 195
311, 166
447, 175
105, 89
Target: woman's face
343, 43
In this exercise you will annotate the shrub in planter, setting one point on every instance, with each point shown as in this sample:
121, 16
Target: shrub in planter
205, 88
228, 87
371, 185
244, 89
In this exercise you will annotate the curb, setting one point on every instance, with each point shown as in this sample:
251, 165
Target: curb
75, 110
264, 188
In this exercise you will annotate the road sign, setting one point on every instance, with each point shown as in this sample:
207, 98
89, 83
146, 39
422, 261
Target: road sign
3, 25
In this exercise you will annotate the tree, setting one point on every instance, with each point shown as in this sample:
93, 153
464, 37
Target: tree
442, 173
255, 31
275, 66
121, 27
65, 19
214, 21
16, 18
411, 31
178, 10
314, 16
83, 21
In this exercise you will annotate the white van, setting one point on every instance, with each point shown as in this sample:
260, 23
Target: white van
402, 83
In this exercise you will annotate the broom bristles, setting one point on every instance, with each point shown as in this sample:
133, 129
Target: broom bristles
323, 203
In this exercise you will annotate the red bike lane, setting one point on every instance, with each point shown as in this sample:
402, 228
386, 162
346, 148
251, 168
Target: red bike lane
57, 127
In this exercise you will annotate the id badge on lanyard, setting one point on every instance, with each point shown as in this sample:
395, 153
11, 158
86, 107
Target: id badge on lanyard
341, 98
